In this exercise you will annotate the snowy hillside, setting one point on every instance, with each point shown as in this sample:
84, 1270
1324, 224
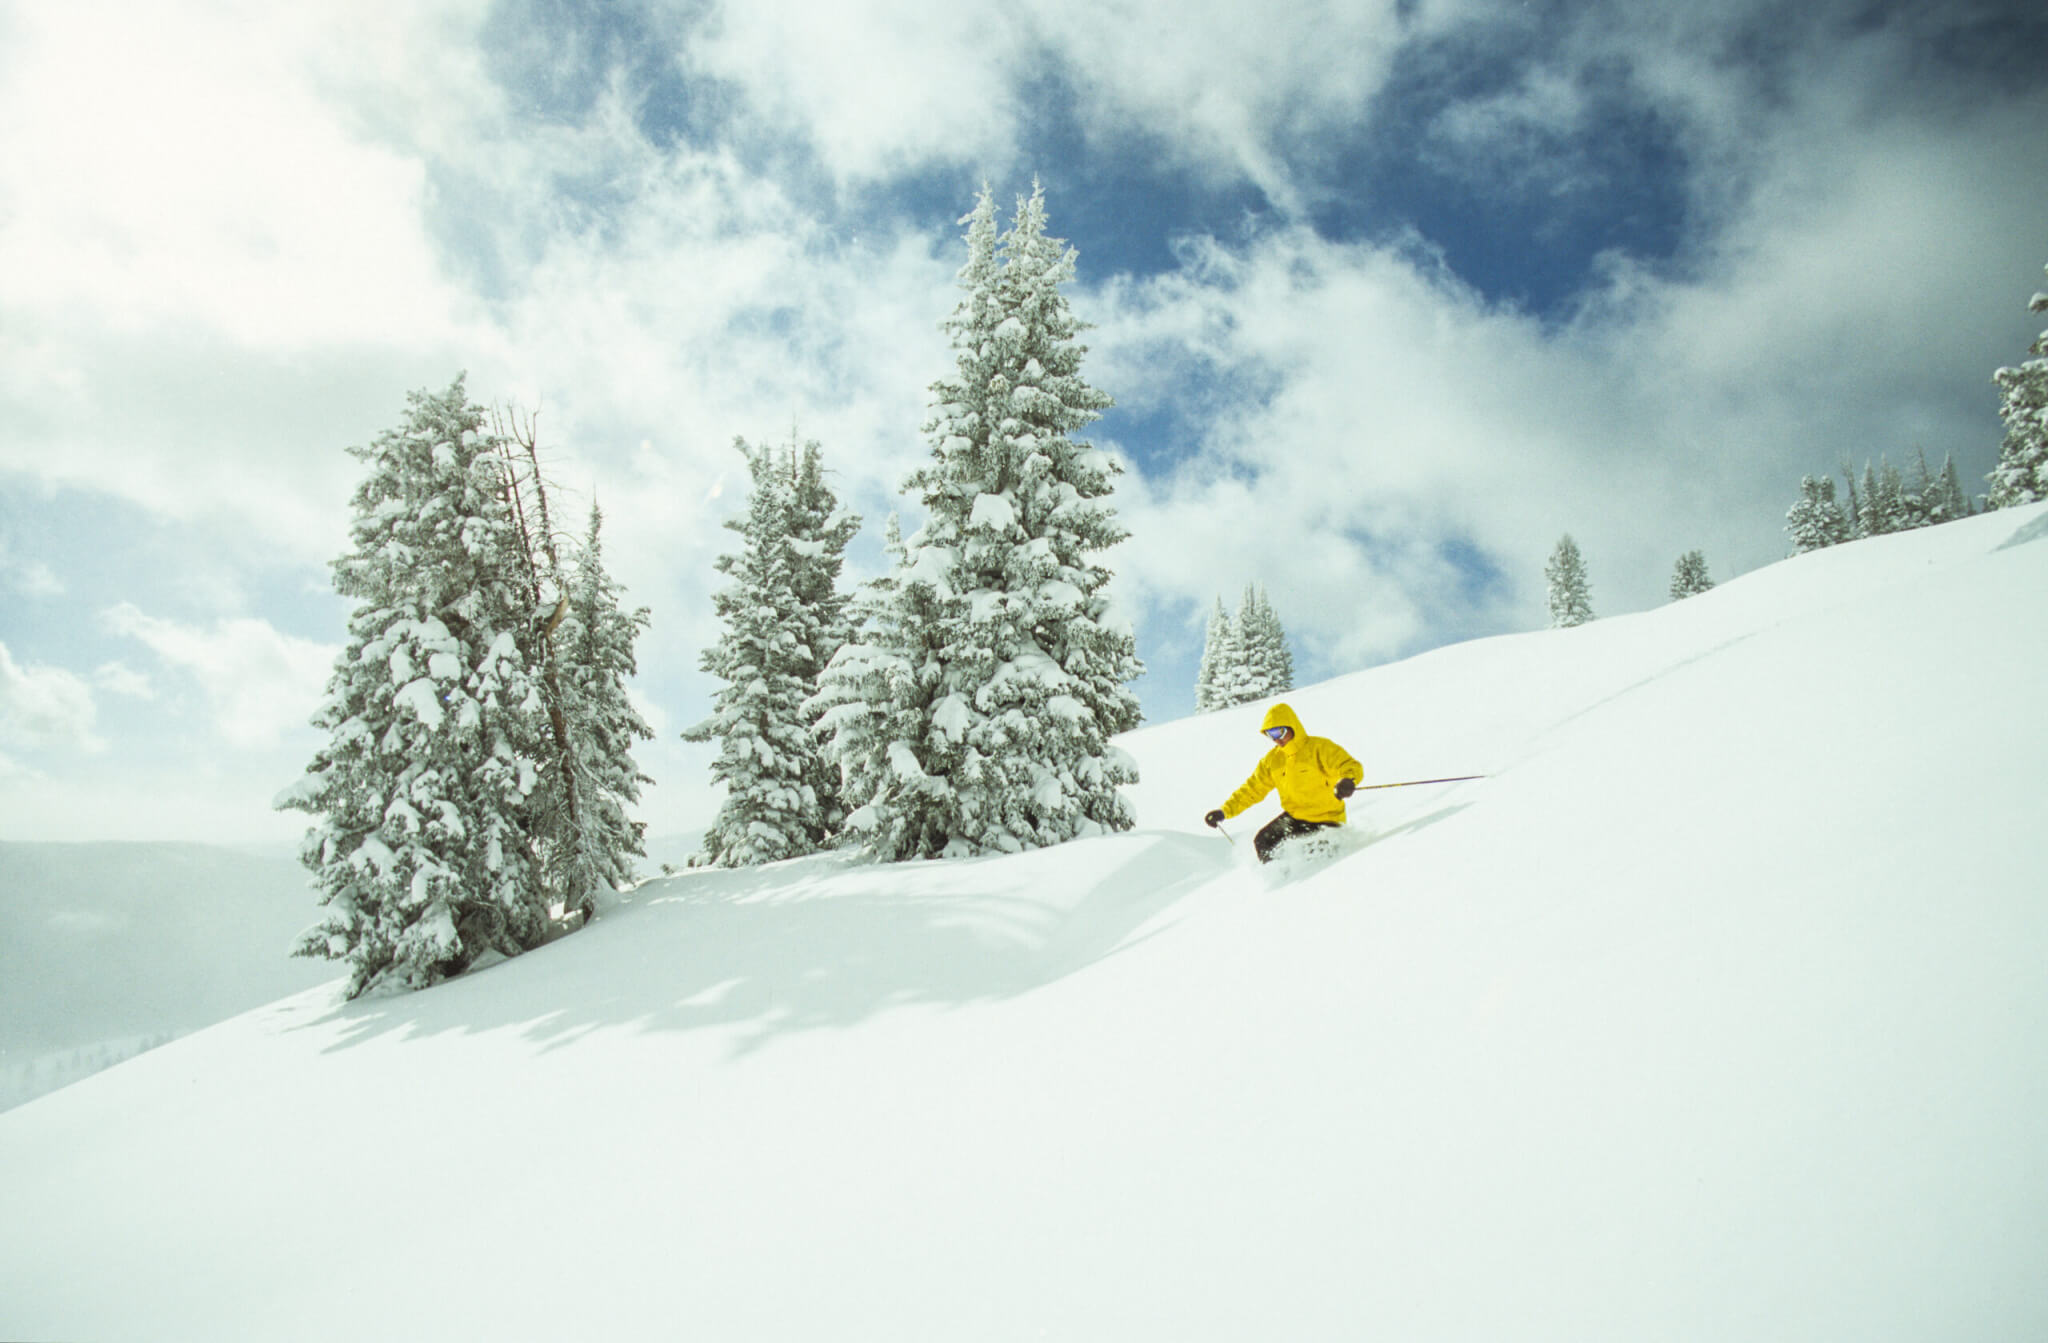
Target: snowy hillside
114, 948
1715, 1013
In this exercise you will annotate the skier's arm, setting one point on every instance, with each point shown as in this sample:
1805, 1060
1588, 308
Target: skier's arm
1337, 764
1255, 788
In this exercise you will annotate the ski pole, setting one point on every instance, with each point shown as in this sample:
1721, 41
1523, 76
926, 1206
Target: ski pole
1415, 783
1225, 833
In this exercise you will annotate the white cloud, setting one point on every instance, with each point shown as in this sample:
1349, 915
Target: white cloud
45, 708
1854, 306
877, 88
901, 86
118, 678
261, 684
212, 268
172, 163
28, 578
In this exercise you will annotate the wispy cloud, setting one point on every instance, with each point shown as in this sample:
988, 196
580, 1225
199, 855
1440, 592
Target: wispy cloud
261, 684
45, 709
26, 577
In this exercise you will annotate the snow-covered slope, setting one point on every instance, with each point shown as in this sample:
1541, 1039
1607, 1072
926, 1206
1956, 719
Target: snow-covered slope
1715, 1013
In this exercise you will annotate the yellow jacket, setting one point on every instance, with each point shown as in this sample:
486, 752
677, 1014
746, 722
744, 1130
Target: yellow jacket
1305, 771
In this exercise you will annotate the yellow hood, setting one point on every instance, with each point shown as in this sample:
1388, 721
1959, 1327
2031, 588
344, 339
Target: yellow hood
1280, 715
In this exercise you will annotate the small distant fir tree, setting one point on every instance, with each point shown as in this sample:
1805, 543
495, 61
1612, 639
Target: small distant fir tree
2021, 476
1571, 597
1220, 652
1244, 660
1883, 499
784, 619
480, 748
1689, 577
974, 712
1887, 502
1270, 662
1816, 521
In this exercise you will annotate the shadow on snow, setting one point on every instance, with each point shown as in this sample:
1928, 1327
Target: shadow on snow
815, 943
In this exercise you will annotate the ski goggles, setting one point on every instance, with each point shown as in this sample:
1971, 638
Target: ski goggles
1279, 733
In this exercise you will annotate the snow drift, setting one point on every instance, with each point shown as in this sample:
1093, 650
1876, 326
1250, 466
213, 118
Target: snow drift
1715, 1012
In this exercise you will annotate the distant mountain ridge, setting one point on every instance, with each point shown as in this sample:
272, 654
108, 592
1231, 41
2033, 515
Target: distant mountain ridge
112, 948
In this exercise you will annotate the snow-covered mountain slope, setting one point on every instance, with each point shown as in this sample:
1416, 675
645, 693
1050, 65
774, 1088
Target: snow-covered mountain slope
112, 948
1714, 1013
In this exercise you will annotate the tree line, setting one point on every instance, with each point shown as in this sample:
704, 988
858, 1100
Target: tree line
1888, 500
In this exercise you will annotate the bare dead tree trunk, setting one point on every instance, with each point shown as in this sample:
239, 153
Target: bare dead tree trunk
512, 430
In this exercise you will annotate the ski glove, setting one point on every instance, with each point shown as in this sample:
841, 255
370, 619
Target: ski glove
1345, 788
1214, 818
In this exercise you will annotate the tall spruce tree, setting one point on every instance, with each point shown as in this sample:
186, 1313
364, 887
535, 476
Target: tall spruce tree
596, 642
780, 608
874, 699
819, 532
1689, 576
1004, 678
2021, 475
576, 819
1570, 594
424, 851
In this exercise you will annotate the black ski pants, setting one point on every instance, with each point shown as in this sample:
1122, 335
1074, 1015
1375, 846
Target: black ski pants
1281, 829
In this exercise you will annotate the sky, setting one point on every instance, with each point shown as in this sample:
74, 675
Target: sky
1390, 297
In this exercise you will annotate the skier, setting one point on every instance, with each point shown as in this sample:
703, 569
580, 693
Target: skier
1314, 776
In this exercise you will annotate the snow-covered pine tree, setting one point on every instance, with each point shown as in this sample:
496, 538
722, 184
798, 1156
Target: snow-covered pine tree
1882, 499
1274, 662
1689, 576
1816, 521
1954, 503
1571, 597
1891, 489
1003, 678
819, 532
1215, 657
1917, 495
2021, 475
1852, 512
874, 699
1243, 676
595, 657
576, 821
422, 852
767, 756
